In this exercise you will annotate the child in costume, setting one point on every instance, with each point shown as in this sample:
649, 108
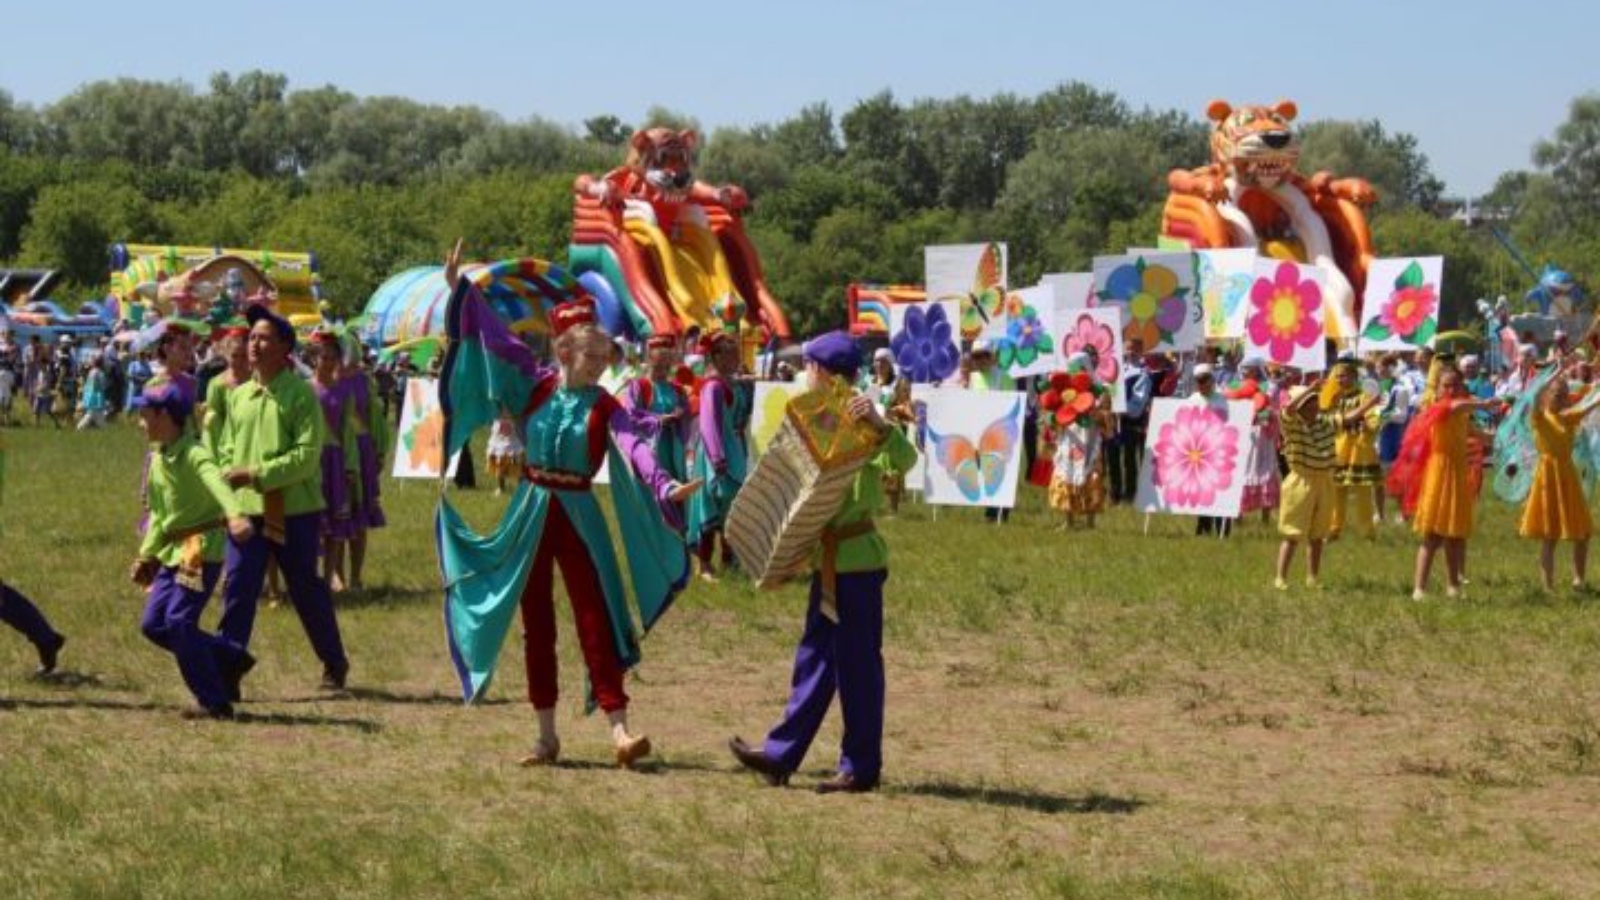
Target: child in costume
554, 517
180, 557
506, 453
1558, 506
841, 650
338, 514
20, 613
1077, 412
720, 459
363, 454
661, 406
1305, 511
892, 394
230, 346
1440, 495
1262, 479
1357, 475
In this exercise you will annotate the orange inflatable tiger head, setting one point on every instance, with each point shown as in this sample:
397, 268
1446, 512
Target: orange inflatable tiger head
1254, 143
665, 158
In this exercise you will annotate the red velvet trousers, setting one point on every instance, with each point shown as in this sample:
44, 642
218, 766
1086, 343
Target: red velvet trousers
561, 545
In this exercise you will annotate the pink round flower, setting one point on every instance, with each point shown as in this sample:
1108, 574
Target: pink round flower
1284, 313
1195, 458
1407, 309
1087, 334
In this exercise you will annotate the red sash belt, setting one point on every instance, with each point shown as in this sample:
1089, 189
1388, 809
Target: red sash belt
557, 480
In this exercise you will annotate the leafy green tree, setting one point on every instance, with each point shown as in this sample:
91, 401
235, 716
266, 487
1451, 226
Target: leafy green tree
1392, 162
73, 223
1572, 155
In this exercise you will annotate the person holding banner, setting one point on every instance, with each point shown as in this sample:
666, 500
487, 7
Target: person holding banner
570, 426
1206, 395
841, 650
720, 458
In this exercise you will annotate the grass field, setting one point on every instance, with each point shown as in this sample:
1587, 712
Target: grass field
1071, 715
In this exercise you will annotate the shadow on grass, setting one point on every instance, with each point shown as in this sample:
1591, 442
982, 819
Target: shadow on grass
387, 595
379, 695
67, 679
1033, 801
15, 703
365, 726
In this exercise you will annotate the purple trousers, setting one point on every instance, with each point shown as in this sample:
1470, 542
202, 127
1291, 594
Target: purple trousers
172, 622
846, 657
18, 612
246, 570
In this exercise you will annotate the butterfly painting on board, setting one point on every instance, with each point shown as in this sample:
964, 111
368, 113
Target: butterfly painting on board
979, 284
978, 470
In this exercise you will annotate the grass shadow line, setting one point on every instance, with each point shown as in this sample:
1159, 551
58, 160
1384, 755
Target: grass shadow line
15, 703
1093, 802
365, 726
379, 695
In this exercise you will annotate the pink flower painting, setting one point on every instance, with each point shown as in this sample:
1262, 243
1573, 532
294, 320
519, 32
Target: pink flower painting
1411, 311
1196, 455
1285, 313
1088, 334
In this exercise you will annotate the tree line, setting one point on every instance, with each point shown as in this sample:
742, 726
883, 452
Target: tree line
376, 184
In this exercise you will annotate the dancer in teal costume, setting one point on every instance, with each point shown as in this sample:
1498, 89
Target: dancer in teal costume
720, 457
554, 518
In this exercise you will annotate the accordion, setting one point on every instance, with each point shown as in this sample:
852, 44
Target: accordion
798, 484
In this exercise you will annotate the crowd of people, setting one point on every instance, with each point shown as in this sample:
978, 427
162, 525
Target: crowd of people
266, 448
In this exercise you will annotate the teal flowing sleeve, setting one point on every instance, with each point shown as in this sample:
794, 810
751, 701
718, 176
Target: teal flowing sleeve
486, 369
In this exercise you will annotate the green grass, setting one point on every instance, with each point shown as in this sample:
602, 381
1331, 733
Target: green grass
1106, 714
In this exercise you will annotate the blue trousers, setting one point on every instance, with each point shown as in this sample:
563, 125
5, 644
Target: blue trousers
844, 657
246, 571
18, 612
172, 622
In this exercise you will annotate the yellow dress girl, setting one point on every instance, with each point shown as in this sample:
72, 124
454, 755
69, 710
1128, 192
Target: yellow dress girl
1557, 507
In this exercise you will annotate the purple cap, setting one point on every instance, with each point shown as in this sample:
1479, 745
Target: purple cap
174, 395
836, 352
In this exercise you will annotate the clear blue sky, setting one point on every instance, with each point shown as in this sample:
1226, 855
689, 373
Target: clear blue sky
1477, 82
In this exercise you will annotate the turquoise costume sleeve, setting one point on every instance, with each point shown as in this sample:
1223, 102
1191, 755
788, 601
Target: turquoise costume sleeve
1515, 454
486, 369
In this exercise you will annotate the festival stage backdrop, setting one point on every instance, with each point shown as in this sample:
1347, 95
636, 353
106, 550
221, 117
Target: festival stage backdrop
973, 275
1156, 292
1400, 310
1096, 328
419, 450
1194, 458
1225, 280
924, 338
972, 446
1284, 316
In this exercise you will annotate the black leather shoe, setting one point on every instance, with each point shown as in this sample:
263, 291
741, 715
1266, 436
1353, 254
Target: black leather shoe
233, 678
846, 784
48, 656
757, 761
333, 678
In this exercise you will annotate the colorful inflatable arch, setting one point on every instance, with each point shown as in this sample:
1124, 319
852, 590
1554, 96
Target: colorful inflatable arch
411, 304
138, 269
869, 305
673, 250
1252, 196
